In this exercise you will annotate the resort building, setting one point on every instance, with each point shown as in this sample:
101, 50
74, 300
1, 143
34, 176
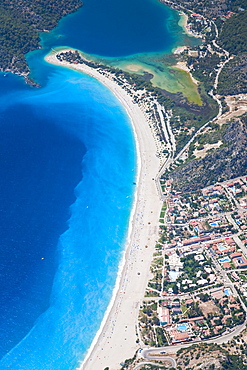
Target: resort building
164, 316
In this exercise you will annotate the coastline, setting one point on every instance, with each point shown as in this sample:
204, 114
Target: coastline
183, 67
117, 337
183, 22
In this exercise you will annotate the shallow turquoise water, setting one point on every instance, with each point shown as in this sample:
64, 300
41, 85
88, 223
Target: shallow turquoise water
61, 147
68, 164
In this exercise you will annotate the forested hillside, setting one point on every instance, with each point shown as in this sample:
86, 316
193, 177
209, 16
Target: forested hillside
233, 36
233, 78
227, 162
20, 24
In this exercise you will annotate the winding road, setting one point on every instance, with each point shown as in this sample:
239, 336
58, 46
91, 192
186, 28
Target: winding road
157, 354
212, 94
149, 353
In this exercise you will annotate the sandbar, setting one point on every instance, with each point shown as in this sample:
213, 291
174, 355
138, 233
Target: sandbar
117, 338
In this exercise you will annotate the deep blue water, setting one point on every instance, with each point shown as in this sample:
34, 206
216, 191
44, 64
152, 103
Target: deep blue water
67, 167
40, 166
61, 159
116, 28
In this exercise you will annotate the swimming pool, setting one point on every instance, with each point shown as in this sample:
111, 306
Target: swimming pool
213, 224
225, 259
227, 291
222, 248
173, 275
183, 327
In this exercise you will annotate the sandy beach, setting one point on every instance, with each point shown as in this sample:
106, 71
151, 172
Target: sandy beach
184, 24
117, 337
183, 67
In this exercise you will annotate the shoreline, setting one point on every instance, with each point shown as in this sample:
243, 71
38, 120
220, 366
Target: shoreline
182, 66
183, 23
117, 337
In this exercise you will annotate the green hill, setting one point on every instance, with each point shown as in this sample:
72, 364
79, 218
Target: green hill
20, 24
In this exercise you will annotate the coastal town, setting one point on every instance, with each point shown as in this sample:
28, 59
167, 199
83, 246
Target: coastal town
198, 290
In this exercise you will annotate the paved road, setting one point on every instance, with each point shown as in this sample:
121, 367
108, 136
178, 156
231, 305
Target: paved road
142, 364
174, 348
145, 353
156, 354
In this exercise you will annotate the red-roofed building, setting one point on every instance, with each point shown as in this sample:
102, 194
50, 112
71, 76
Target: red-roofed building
217, 294
196, 240
231, 298
217, 329
214, 242
225, 318
229, 14
229, 241
198, 318
189, 302
239, 314
198, 16
238, 260
222, 300
191, 241
164, 316
234, 305
180, 337
236, 254
226, 265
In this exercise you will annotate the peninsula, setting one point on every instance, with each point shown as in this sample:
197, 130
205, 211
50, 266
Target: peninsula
20, 25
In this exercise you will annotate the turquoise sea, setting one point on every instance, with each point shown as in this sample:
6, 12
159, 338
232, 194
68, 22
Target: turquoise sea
68, 163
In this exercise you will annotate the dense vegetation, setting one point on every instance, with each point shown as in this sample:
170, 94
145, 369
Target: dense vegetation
212, 356
233, 36
204, 68
227, 162
208, 8
234, 363
153, 367
236, 4
20, 24
233, 78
